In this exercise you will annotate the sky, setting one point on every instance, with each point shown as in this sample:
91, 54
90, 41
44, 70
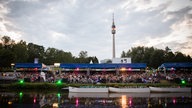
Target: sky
85, 25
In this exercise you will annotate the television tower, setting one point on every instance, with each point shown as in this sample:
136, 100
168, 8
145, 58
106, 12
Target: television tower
113, 32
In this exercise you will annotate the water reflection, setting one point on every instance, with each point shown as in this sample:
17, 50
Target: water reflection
94, 100
124, 101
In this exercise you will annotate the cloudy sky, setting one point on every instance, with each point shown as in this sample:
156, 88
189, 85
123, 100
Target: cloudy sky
85, 25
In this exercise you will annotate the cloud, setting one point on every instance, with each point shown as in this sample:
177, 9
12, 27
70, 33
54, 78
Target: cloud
178, 39
76, 25
6, 24
186, 46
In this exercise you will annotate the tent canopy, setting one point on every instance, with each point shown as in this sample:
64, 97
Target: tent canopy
176, 65
28, 65
103, 66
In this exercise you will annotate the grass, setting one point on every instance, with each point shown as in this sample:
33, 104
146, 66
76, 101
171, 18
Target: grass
164, 82
57, 86
42, 86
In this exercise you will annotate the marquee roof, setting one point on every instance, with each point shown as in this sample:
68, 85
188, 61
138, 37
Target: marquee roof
83, 65
177, 65
28, 65
104, 66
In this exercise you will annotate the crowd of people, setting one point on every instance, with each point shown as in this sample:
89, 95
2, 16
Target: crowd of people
124, 77
107, 77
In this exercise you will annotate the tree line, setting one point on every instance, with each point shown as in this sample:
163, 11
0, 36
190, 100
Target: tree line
155, 57
21, 52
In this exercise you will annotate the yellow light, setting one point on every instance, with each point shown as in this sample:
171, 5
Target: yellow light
55, 105
9, 103
124, 101
12, 64
123, 69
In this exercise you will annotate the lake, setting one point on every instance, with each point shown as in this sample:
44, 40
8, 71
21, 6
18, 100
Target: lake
65, 99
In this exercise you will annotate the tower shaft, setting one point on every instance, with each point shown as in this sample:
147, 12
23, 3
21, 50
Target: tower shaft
113, 33
113, 45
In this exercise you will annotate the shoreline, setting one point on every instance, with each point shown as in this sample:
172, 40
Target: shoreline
44, 86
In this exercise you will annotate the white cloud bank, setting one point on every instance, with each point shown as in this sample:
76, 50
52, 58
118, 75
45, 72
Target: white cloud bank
85, 25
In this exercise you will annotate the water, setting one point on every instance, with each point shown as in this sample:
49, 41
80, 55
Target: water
94, 100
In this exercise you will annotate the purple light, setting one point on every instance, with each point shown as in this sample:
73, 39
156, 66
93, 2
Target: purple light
174, 101
129, 69
34, 100
130, 101
77, 102
77, 69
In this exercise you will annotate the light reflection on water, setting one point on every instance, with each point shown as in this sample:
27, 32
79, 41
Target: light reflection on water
124, 101
94, 100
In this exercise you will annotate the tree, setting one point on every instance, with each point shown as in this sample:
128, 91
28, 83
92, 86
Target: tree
167, 49
6, 55
68, 57
189, 59
11, 52
35, 51
83, 54
157, 58
137, 54
169, 57
63, 57
179, 57
123, 54
95, 60
147, 54
20, 52
129, 53
50, 56
7, 42
83, 57
109, 61
6, 58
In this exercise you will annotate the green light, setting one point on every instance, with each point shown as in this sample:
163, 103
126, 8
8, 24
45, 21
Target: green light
59, 82
20, 94
58, 95
183, 82
21, 81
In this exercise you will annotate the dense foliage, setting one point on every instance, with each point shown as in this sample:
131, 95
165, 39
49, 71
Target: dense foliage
21, 52
155, 57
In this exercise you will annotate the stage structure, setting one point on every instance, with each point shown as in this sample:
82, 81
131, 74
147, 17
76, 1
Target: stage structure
121, 60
